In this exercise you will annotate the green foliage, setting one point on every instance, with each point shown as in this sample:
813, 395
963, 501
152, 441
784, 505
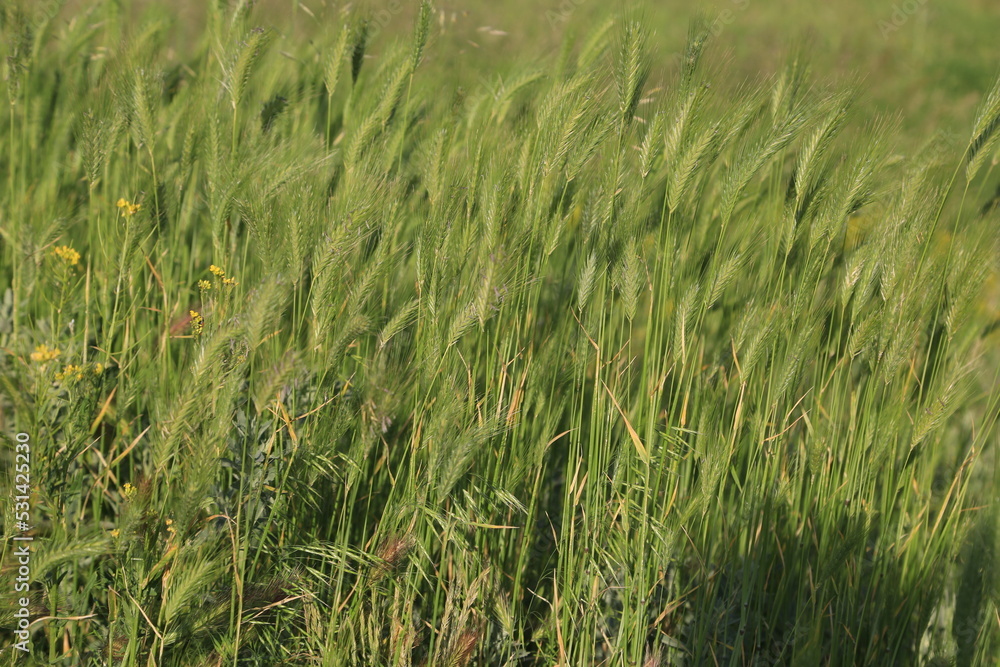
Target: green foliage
594, 362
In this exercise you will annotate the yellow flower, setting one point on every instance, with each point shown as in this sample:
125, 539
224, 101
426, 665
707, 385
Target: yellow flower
67, 254
128, 208
197, 322
68, 372
98, 369
43, 354
229, 281
115, 533
204, 285
217, 270
128, 490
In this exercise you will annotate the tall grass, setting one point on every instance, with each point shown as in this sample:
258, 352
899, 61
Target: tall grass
596, 363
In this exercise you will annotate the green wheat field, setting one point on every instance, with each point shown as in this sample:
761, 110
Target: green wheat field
503, 334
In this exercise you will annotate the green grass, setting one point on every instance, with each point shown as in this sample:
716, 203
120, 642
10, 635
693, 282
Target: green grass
590, 359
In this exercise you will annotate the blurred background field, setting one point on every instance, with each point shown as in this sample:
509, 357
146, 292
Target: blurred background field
928, 60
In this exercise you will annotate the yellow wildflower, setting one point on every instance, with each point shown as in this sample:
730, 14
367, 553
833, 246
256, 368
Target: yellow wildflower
128, 490
229, 281
68, 372
43, 354
128, 208
197, 322
115, 533
67, 254
204, 285
217, 270
98, 369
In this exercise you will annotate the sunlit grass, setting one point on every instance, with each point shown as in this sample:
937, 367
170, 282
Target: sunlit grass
326, 360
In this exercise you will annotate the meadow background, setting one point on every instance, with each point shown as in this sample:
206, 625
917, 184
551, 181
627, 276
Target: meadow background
502, 333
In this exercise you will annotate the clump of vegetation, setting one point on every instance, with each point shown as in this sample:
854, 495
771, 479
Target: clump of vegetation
595, 364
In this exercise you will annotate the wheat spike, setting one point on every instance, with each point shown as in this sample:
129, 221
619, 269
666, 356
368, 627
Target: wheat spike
984, 132
632, 69
335, 62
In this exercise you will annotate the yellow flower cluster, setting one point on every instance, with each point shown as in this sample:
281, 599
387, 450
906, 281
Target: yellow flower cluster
70, 372
44, 354
127, 207
219, 272
128, 491
204, 285
67, 254
197, 322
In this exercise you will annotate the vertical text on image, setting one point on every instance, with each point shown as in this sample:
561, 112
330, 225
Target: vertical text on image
22, 515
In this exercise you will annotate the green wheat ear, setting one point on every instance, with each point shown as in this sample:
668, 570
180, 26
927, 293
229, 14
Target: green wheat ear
420, 34
237, 72
359, 43
632, 68
335, 61
985, 132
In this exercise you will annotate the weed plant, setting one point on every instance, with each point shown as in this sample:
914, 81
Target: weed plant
324, 361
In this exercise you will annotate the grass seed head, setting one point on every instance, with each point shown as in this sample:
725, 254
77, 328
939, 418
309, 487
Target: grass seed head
392, 552
465, 647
